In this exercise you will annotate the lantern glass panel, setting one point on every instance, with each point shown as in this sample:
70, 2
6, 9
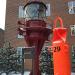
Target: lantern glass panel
35, 11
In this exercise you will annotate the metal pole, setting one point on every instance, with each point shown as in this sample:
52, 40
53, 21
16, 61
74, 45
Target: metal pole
33, 53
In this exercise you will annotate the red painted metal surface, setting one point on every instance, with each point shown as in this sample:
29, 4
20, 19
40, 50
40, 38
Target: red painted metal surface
36, 34
61, 52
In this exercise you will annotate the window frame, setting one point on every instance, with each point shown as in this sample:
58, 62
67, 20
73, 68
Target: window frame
20, 36
48, 11
20, 52
72, 27
73, 55
21, 12
20, 49
71, 6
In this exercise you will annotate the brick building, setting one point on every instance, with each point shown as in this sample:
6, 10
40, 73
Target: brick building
1, 38
63, 8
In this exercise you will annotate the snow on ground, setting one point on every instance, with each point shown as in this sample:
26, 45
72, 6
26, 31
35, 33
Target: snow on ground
27, 73
72, 73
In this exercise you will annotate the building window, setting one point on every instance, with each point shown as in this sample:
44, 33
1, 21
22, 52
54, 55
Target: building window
20, 36
27, 51
19, 52
48, 12
73, 53
72, 27
71, 6
21, 11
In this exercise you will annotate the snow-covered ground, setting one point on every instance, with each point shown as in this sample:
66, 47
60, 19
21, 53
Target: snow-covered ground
27, 73
72, 73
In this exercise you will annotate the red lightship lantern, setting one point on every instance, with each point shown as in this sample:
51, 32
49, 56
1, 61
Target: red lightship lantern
35, 29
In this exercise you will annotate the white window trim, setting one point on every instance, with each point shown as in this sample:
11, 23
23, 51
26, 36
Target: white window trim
19, 52
73, 54
71, 7
21, 12
73, 47
20, 36
72, 27
73, 50
20, 49
48, 11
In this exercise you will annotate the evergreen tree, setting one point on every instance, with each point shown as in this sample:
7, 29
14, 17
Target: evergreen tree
46, 65
9, 59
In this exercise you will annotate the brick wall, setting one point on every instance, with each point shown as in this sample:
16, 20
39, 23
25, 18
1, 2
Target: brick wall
58, 8
1, 38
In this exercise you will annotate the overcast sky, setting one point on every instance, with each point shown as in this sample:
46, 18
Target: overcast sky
2, 13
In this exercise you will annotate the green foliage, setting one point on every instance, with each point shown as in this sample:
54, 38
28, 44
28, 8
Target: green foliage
9, 59
58, 23
46, 62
